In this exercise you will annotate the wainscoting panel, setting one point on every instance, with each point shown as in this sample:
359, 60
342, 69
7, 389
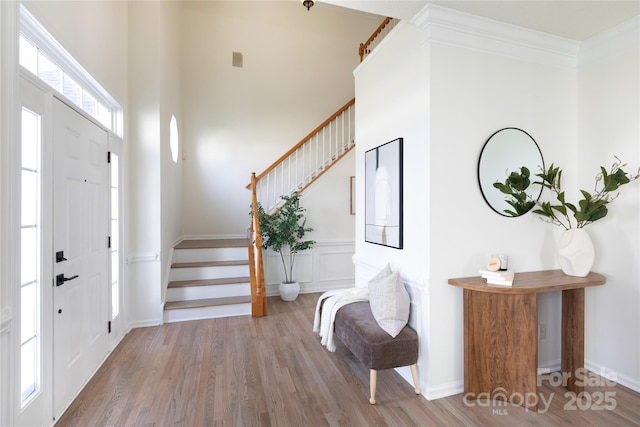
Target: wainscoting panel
335, 266
328, 265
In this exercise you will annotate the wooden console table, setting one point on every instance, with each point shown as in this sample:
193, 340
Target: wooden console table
501, 333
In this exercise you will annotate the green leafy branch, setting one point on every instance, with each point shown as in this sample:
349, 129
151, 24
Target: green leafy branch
284, 232
591, 207
515, 187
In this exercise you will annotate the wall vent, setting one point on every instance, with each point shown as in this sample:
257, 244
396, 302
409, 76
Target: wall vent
237, 59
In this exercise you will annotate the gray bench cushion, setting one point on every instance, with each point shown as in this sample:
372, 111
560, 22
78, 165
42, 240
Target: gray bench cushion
358, 330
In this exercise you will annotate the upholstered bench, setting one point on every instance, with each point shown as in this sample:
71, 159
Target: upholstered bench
358, 330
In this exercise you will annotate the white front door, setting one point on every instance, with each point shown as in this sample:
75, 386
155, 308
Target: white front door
80, 246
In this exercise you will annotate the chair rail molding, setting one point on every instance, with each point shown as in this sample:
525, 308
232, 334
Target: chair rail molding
143, 257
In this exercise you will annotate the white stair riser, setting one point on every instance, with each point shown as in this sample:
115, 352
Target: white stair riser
209, 254
212, 312
205, 292
201, 273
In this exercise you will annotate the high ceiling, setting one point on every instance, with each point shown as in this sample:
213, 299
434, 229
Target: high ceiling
572, 19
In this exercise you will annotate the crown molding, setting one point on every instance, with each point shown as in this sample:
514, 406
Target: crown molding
486, 35
620, 40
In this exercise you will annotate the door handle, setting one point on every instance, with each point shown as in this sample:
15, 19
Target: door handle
60, 279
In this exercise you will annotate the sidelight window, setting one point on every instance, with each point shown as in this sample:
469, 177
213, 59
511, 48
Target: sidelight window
30, 274
115, 233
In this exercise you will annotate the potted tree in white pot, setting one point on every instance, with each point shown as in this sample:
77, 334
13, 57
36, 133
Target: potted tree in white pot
284, 232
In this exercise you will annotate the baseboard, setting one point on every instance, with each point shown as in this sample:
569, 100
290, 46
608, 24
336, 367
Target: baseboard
550, 366
457, 387
444, 390
612, 376
144, 323
310, 288
405, 373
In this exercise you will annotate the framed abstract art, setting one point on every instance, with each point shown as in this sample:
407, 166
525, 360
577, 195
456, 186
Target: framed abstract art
383, 194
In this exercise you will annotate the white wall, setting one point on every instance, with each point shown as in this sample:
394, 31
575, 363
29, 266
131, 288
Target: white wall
155, 209
170, 65
392, 95
608, 126
143, 142
473, 94
445, 92
296, 73
95, 33
392, 101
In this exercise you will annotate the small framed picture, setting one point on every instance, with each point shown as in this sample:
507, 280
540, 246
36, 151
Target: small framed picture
352, 208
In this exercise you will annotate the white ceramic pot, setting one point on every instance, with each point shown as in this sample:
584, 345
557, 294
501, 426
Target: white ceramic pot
289, 291
575, 252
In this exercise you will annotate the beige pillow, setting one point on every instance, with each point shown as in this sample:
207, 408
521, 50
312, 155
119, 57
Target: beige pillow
383, 273
389, 300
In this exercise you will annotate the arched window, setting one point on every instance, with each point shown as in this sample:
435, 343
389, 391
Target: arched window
173, 138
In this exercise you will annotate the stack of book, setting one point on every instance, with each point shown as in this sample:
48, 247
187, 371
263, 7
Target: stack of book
500, 277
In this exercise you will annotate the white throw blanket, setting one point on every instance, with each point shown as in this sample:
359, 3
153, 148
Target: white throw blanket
323, 323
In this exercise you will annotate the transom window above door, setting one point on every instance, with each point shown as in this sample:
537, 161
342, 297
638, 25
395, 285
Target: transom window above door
45, 58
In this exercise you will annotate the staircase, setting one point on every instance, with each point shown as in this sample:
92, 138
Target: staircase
309, 159
208, 279
225, 277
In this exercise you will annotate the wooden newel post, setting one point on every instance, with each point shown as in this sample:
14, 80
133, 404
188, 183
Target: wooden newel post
256, 269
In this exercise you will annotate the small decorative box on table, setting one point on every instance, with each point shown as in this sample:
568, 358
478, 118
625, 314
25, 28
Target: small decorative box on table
501, 333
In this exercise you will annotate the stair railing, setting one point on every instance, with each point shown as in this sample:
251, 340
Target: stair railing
294, 171
306, 161
297, 169
377, 36
256, 268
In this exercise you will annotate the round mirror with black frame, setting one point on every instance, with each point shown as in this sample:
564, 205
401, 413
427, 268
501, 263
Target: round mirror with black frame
508, 162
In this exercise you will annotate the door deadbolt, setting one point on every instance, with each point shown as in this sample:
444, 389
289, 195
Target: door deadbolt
60, 279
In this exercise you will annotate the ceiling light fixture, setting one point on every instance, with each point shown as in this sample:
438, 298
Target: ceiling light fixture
308, 3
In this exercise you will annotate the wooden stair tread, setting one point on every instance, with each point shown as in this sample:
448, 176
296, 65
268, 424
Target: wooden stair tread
212, 243
209, 302
208, 264
209, 282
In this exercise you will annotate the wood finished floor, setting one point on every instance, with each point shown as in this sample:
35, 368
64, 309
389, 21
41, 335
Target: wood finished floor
273, 372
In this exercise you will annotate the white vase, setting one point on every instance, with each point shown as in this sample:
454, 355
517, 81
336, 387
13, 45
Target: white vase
289, 291
575, 252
